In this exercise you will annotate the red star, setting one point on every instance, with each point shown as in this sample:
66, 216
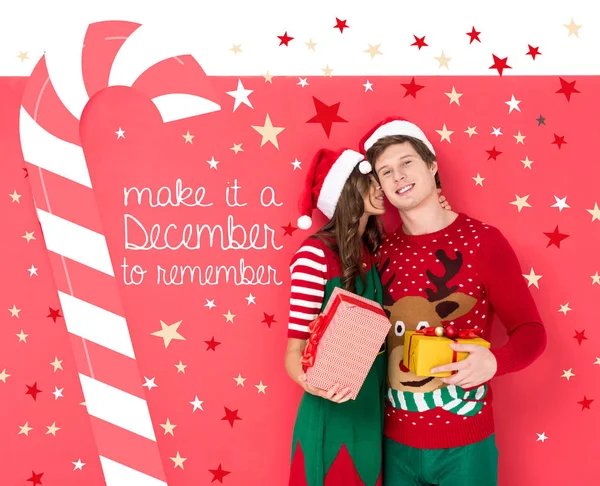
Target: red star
500, 64
54, 314
493, 153
567, 88
585, 403
555, 238
231, 416
26, 173
412, 88
218, 474
474, 35
580, 336
289, 229
284, 39
212, 344
419, 42
268, 320
533, 51
558, 140
340, 24
36, 478
33, 390
326, 115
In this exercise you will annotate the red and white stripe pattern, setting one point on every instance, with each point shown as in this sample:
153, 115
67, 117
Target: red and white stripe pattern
309, 270
68, 75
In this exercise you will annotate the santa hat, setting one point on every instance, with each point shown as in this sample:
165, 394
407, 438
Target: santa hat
394, 125
325, 180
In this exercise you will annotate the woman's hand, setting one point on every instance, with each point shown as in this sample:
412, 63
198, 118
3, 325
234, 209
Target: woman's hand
445, 204
332, 394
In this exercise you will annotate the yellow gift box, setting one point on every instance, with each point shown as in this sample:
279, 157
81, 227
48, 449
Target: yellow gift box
422, 353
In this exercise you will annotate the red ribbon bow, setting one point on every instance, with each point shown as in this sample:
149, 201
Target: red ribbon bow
316, 329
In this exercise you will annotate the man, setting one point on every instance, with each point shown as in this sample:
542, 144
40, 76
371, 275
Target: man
443, 268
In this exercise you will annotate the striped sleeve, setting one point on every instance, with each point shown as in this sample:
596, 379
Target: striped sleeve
309, 269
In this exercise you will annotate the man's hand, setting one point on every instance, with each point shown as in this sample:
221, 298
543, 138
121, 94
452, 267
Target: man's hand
479, 367
332, 394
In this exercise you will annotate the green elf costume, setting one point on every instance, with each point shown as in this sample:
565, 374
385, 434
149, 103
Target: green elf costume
333, 444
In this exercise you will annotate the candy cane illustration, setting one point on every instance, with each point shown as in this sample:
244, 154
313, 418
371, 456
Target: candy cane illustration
102, 55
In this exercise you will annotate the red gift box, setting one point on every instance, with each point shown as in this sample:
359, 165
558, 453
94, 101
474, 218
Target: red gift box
344, 341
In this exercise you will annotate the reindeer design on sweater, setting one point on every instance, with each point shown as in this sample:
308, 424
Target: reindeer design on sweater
412, 313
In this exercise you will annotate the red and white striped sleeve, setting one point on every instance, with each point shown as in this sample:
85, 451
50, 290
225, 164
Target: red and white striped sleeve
309, 269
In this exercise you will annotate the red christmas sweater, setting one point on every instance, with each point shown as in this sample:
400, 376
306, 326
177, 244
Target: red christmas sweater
462, 275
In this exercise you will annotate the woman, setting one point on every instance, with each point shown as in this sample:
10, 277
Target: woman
336, 442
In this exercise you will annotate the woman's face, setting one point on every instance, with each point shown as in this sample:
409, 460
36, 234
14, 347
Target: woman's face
373, 199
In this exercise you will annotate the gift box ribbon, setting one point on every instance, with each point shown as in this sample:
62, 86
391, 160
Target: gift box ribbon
317, 327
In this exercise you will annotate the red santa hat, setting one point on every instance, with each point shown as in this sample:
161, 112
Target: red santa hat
325, 180
393, 125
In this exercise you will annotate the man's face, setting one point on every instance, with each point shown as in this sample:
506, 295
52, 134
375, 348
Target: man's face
405, 178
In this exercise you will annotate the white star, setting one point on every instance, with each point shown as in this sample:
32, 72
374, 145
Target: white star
597, 362
251, 299
297, 164
471, 131
368, 86
595, 212
479, 180
213, 163
568, 374
513, 104
32, 271
496, 131
120, 133
78, 465
210, 303
560, 203
240, 95
239, 380
532, 278
564, 308
150, 383
57, 393
197, 404
595, 279
303, 82
541, 437
521, 202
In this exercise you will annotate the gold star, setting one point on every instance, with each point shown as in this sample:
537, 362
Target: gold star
22, 336
595, 279
188, 137
311, 45
15, 197
181, 367
454, 96
471, 131
237, 147
178, 460
373, 51
527, 163
445, 134
229, 316
443, 60
327, 71
57, 364
236, 48
268, 77
568, 374
573, 28
520, 138
52, 429
521, 202
564, 308
169, 332
22, 55
269, 132
14, 312
168, 427
479, 180
25, 429
261, 388
532, 278
4, 375
239, 380
597, 361
29, 236
594, 212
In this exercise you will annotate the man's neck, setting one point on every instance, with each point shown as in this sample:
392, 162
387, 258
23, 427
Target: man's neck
426, 218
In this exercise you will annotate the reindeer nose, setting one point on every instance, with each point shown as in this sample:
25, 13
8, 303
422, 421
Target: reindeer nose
403, 368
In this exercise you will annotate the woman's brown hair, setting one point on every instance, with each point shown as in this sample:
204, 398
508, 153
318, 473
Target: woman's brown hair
341, 232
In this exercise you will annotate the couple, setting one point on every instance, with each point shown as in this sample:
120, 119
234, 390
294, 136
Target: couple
439, 268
